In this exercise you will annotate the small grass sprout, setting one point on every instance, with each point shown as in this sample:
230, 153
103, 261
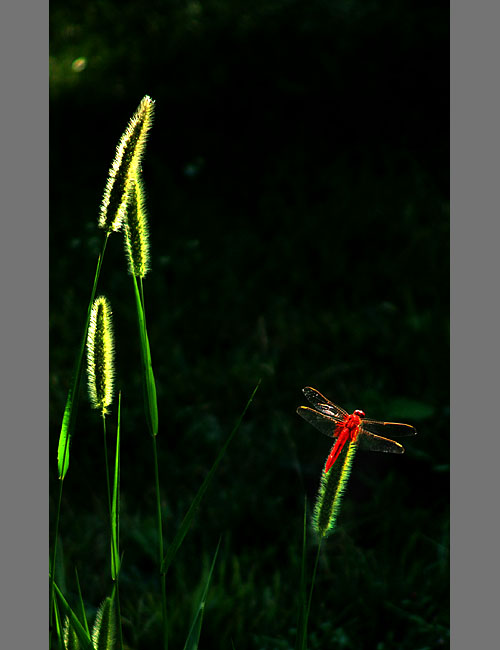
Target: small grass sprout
136, 231
125, 167
100, 355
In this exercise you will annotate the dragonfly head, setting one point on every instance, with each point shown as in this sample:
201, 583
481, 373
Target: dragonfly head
360, 414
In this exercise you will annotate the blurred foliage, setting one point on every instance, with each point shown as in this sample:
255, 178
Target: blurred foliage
297, 182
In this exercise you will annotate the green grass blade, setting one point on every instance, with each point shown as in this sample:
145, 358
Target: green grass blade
115, 508
147, 366
64, 436
56, 566
80, 602
195, 630
188, 518
59, 630
81, 633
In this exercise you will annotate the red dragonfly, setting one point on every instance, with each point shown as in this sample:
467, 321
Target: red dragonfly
336, 423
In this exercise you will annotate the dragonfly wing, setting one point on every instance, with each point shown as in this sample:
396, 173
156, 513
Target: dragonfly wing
389, 429
322, 422
372, 442
323, 404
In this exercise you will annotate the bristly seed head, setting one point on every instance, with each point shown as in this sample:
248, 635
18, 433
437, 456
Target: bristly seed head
331, 490
136, 231
125, 167
70, 638
100, 355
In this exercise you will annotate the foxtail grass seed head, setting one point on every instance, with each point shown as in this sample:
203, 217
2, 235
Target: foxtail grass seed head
100, 355
332, 487
104, 630
70, 638
136, 231
126, 165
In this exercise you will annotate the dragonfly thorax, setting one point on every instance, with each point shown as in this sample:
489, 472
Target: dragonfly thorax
352, 423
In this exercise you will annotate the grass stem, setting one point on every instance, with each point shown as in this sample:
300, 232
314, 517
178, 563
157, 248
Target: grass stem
160, 547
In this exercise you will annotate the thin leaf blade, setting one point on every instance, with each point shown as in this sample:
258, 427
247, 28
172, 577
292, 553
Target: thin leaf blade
63, 446
193, 637
147, 366
115, 508
81, 603
189, 516
81, 633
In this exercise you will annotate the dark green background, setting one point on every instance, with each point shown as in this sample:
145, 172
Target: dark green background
297, 177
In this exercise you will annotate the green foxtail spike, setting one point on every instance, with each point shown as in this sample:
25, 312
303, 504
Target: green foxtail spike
125, 167
136, 231
331, 490
100, 355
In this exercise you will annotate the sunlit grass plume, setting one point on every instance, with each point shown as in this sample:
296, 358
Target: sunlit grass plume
125, 167
136, 231
331, 490
100, 355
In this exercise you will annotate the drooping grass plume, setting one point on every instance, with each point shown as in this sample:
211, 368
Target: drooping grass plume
100, 355
331, 490
136, 231
125, 167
